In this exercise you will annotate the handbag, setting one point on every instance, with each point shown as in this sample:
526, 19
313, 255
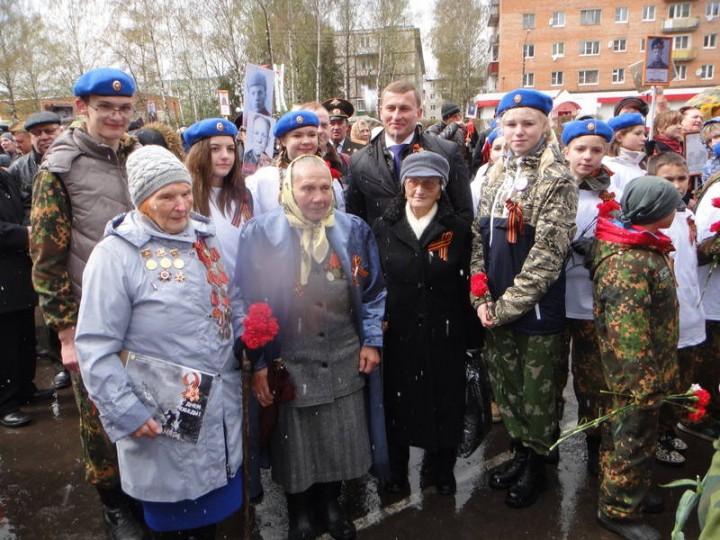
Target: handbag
478, 416
283, 392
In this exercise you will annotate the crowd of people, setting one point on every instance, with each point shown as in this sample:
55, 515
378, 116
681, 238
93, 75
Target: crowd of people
583, 248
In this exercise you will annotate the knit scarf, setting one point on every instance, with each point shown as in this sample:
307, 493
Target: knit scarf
674, 144
314, 244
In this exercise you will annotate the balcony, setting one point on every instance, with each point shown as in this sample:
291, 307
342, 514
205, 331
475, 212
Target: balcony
684, 55
494, 13
493, 68
684, 24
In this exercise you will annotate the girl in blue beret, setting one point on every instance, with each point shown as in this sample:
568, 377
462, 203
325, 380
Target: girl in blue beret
219, 188
496, 142
626, 156
523, 229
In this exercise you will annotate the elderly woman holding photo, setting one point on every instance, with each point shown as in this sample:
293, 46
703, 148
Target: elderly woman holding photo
425, 253
156, 299
318, 270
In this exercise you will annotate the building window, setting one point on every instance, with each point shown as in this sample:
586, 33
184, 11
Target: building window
432, 96
529, 51
558, 49
433, 107
558, 18
713, 9
680, 72
589, 16
648, 13
681, 42
364, 41
679, 11
556, 78
642, 44
621, 15
528, 80
528, 20
710, 41
618, 76
589, 48
707, 71
494, 52
620, 45
588, 76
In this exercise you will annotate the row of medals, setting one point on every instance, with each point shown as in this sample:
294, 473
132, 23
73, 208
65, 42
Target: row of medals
165, 263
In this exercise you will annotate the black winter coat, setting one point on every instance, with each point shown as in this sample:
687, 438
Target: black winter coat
16, 290
372, 185
428, 312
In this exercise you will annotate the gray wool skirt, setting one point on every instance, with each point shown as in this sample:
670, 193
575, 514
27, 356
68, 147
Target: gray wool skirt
323, 443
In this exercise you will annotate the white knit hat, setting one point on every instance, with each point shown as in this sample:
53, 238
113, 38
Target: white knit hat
150, 168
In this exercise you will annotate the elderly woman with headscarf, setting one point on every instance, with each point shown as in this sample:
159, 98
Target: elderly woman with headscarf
155, 298
425, 253
318, 270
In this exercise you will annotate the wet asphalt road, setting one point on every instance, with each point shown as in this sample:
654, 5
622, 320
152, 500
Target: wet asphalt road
43, 494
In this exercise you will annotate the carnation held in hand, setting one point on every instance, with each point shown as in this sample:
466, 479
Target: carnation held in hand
260, 326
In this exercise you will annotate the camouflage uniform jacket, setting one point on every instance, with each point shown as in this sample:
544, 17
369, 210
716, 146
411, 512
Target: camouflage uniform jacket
636, 309
527, 273
51, 218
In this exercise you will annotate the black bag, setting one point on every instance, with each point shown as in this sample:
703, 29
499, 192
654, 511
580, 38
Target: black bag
478, 416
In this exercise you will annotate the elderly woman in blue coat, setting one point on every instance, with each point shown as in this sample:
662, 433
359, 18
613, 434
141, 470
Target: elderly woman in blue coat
318, 269
155, 341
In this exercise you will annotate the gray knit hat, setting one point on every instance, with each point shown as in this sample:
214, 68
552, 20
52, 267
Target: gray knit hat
150, 168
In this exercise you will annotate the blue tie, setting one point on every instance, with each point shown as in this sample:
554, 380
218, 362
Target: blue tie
397, 150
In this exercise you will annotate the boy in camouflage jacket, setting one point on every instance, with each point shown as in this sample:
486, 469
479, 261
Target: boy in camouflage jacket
636, 317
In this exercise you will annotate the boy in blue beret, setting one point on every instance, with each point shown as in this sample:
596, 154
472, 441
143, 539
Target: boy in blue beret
80, 186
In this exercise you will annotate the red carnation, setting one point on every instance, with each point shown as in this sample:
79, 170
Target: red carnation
703, 397
479, 284
606, 208
260, 326
716, 202
715, 227
696, 414
334, 173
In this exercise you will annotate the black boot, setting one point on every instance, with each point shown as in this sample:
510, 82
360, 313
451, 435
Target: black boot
506, 474
118, 518
331, 513
300, 520
444, 475
530, 484
593, 455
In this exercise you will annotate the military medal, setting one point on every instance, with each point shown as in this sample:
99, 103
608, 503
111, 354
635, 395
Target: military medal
151, 264
333, 267
165, 263
330, 276
179, 264
160, 252
165, 275
146, 253
180, 277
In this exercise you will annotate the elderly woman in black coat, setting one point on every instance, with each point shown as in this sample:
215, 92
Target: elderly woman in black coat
425, 253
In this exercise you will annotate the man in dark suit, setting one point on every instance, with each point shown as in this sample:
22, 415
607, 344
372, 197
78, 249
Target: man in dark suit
374, 169
340, 110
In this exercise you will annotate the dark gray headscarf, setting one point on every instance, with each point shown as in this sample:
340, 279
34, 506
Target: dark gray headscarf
648, 199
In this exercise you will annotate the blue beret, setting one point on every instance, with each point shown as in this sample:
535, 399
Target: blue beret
716, 150
494, 134
625, 120
210, 127
493, 123
104, 82
525, 98
713, 120
294, 120
578, 128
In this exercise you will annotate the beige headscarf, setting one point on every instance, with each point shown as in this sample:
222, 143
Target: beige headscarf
313, 240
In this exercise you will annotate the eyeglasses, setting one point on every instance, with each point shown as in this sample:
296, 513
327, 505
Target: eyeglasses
36, 132
106, 110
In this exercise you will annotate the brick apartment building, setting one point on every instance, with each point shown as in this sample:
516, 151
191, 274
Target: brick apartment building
580, 52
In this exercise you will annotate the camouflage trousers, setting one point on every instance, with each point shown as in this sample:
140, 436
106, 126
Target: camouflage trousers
582, 347
522, 372
99, 454
627, 453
